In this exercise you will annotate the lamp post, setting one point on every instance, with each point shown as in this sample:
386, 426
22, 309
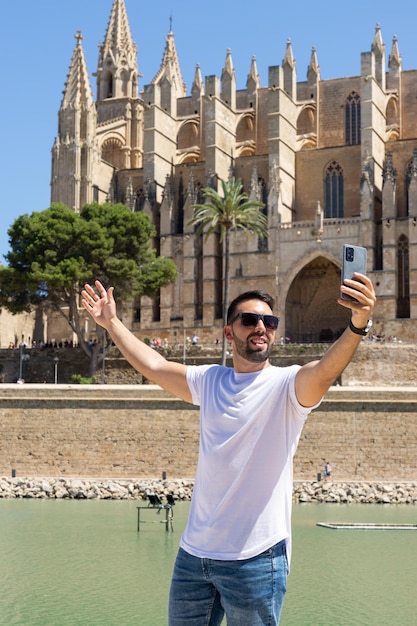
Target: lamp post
21, 361
56, 361
103, 365
22, 357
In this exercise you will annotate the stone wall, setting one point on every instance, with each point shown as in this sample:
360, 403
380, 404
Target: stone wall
125, 431
366, 433
375, 363
15, 327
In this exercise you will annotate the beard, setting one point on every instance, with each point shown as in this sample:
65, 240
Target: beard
251, 353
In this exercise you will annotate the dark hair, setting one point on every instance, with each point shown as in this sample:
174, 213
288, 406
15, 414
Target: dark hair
256, 294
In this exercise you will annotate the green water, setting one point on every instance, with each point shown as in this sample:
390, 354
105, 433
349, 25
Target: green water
83, 563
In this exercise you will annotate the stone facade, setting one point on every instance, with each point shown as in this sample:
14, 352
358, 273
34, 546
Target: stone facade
16, 329
335, 161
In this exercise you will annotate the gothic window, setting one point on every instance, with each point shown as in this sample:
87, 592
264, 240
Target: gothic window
166, 92
263, 193
156, 307
124, 78
198, 277
333, 191
353, 119
409, 172
179, 213
403, 278
407, 186
108, 85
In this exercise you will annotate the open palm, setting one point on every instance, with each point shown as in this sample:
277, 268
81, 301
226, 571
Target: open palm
100, 304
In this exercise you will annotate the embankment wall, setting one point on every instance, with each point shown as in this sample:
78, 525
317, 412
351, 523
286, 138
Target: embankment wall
124, 431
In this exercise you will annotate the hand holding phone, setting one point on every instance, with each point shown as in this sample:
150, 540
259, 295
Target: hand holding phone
354, 260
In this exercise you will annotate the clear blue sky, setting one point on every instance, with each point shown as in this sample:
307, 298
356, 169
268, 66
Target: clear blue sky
37, 43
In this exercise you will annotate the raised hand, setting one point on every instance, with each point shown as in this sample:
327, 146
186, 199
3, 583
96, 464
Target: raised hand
99, 303
362, 289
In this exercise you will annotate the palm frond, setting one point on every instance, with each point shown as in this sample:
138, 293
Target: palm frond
232, 210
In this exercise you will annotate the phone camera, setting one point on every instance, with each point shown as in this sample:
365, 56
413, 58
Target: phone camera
350, 254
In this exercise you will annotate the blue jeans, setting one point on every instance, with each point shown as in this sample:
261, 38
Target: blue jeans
249, 592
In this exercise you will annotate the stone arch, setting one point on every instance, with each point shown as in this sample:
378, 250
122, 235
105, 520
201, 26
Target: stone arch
112, 152
189, 157
306, 127
246, 150
311, 310
245, 135
392, 119
188, 135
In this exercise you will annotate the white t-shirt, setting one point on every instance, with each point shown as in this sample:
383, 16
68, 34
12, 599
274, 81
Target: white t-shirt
250, 426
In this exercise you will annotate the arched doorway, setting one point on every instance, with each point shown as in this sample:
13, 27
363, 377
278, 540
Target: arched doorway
312, 312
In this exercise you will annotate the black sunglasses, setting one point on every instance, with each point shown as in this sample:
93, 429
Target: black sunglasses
250, 320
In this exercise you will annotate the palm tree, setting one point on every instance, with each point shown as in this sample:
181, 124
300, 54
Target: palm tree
222, 214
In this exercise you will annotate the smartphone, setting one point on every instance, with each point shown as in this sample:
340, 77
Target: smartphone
354, 260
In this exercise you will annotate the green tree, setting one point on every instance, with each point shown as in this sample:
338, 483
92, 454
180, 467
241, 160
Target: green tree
53, 253
223, 213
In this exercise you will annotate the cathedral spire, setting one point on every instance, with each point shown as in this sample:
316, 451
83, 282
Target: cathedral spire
252, 84
228, 64
289, 69
77, 90
378, 49
197, 89
228, 81
313, 71
378, 44
170, 68
253, 81
117, 72
394, 61
289, 56
75, 148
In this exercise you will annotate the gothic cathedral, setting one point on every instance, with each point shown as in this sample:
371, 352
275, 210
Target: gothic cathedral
334, 161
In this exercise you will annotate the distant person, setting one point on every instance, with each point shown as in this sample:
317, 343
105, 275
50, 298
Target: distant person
234, 553
195, 340
327, 470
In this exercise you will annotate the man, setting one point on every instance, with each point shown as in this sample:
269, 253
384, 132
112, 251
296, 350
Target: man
327, 470
234, 553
